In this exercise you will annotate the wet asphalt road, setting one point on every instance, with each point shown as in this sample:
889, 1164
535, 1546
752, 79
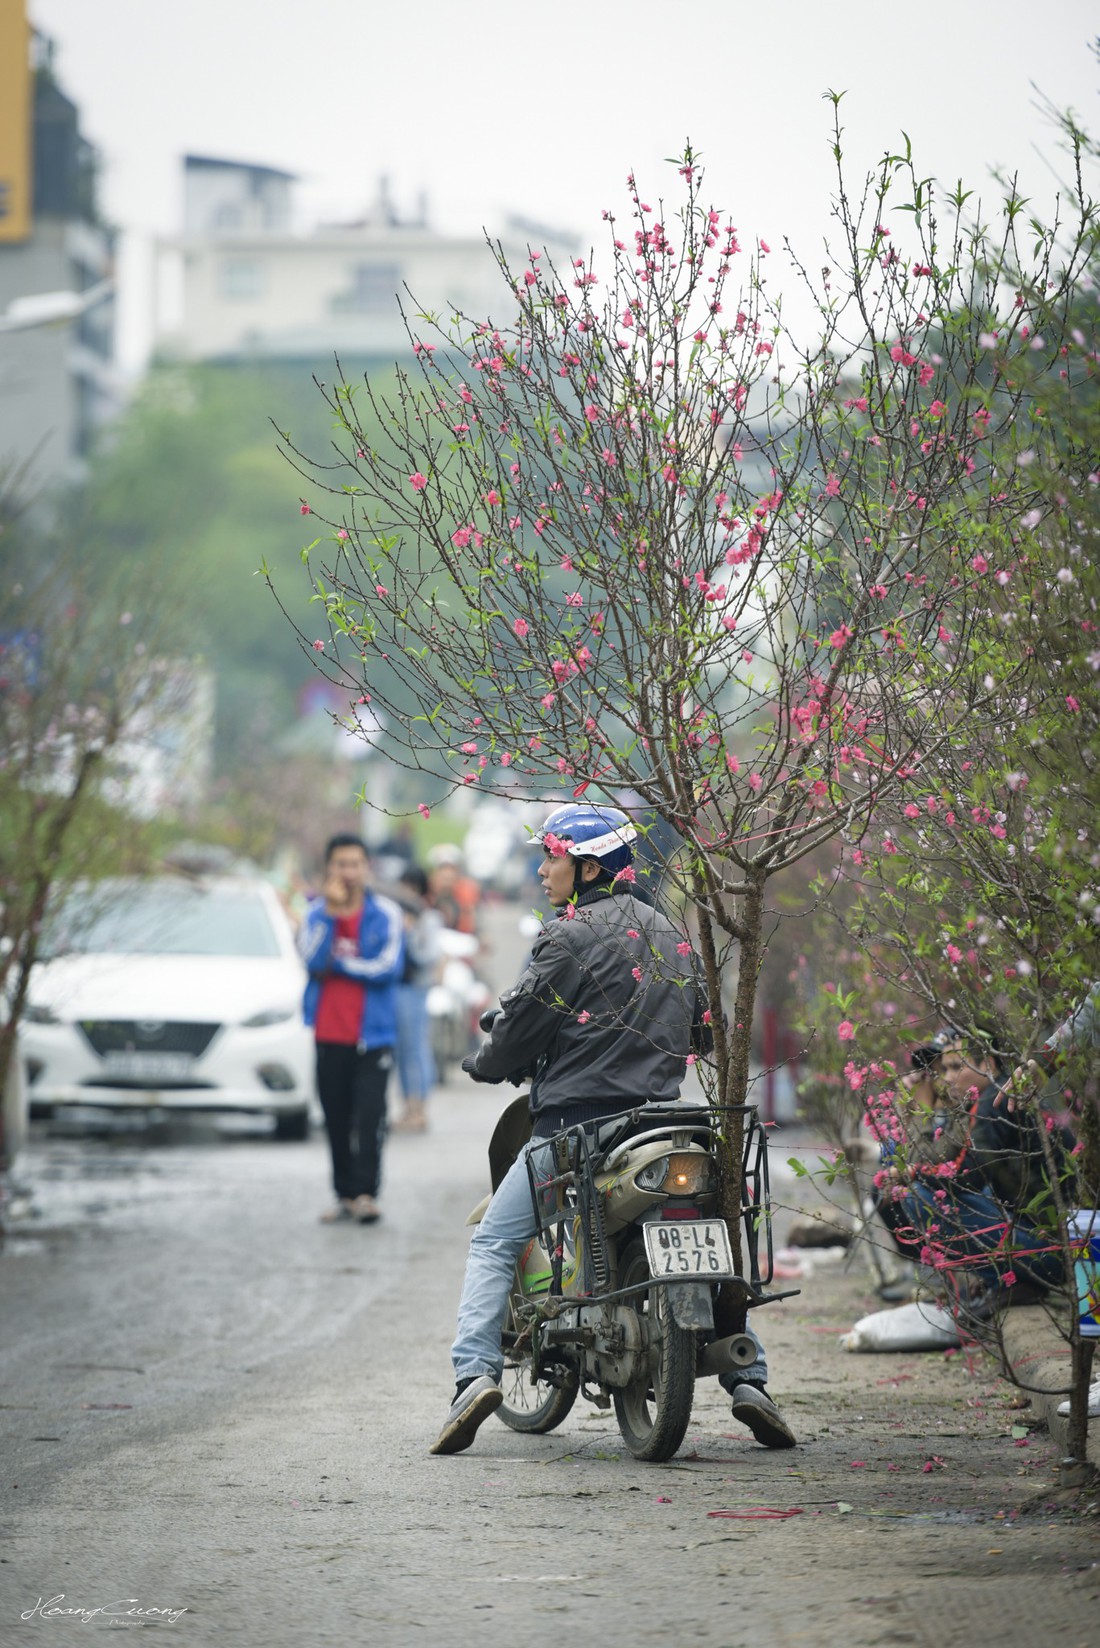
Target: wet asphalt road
212, 1403
178, 1328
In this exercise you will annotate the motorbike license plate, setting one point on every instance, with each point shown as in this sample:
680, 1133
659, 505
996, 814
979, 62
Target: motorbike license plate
689, 1248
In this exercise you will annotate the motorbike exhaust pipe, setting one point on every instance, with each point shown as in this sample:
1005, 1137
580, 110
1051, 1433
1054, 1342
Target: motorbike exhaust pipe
727, 1355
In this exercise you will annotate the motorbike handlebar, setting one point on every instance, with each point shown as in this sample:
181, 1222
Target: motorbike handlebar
486, 1022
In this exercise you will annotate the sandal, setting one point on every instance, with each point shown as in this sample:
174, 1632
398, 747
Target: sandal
414, 1119
338, 1214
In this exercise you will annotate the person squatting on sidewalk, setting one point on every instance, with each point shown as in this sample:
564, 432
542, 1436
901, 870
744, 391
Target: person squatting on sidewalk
352, 942
601, 1033
970, 1198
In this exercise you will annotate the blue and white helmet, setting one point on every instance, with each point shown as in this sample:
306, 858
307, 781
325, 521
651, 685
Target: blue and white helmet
602, 833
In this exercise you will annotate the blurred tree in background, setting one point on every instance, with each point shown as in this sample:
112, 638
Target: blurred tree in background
89, 668
189, 493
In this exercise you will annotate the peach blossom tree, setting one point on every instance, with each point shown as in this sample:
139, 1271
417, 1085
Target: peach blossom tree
633, 534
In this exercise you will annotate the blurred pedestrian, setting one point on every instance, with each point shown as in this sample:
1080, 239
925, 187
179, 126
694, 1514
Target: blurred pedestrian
392, 857
352, 942
423, 953
450, 891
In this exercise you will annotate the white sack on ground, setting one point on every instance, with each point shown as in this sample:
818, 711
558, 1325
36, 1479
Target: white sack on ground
921, 1326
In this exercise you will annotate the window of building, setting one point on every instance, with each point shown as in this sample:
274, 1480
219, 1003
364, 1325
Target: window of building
243, 278
372, 287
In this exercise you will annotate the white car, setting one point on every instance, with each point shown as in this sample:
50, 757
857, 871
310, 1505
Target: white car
171, 993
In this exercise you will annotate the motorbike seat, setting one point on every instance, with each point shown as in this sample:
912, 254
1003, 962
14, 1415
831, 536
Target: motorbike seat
675, 1113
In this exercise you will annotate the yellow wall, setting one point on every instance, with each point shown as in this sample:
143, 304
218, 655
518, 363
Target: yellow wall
15, 122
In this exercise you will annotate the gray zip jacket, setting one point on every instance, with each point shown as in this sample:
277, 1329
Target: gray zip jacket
606, 1012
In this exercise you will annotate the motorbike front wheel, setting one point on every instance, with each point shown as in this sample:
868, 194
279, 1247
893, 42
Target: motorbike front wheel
654, 1412
533, 1408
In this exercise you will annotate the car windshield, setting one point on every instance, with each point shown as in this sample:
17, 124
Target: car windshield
160, 918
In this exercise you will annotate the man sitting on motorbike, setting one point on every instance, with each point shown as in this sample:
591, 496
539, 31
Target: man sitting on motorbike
605, 1015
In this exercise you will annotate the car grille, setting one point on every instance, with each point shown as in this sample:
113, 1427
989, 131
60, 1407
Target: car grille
120, 1083
148, 1036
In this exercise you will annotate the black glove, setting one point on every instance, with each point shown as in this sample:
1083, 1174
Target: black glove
469, 1064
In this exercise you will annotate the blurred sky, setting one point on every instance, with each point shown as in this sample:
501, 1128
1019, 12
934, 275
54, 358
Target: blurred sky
496, 105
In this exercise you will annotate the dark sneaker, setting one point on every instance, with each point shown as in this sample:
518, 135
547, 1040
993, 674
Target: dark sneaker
753, 1407
473, 1403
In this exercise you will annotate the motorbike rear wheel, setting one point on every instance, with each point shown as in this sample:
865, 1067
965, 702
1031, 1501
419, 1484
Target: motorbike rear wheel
654, 1412
533, 1408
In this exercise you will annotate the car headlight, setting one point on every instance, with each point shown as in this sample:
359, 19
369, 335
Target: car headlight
686, 1173
37, 1013
270, 1015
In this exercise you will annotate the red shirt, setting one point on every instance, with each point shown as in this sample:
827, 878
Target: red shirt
340, 1007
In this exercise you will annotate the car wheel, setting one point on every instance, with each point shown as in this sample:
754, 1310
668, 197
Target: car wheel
292, 1126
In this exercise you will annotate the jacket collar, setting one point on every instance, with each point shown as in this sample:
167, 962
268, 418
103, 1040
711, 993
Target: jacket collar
593, 895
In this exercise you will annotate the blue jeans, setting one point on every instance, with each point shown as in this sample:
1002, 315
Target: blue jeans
499, 1240
415, 1061
978, 1236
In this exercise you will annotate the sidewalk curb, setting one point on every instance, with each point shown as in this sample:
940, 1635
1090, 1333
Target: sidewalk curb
1038, 1358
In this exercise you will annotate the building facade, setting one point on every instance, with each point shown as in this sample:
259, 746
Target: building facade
58, 382
253, 288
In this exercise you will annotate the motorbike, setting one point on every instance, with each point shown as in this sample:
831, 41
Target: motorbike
614, 1297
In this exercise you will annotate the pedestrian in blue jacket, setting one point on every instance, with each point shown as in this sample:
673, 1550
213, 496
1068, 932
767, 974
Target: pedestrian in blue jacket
352, 942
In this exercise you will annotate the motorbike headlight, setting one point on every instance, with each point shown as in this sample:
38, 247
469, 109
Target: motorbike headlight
40, 1014
271, 1015
686, 1173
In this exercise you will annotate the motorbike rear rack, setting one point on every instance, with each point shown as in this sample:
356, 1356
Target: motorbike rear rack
562, 1175
563, 1188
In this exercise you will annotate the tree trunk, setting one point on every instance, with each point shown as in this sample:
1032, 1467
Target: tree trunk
46, 859
730, 1312
1081, 1355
